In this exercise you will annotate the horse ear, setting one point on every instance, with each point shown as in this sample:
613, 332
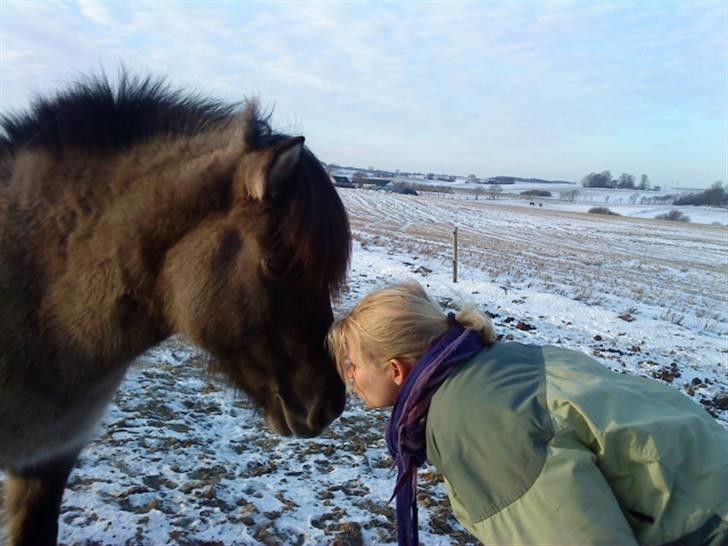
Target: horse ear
282, 166
264, 173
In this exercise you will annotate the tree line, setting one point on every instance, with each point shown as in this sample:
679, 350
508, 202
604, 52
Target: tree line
715, 195
624, 181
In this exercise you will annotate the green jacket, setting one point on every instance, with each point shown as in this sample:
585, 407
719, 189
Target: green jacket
542, 445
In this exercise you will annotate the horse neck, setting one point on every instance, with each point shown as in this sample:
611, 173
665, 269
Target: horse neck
102, 266
163, 188
161, 192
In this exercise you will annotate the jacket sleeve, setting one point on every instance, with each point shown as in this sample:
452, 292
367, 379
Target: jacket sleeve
570, 503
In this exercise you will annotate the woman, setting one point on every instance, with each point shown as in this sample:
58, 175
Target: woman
537, 445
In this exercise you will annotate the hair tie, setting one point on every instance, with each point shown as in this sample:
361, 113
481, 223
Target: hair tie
451, 320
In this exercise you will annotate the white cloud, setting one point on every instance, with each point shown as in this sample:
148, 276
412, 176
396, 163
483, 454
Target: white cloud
440, 80
97, 11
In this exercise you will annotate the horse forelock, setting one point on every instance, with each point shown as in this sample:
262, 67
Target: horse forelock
317, 228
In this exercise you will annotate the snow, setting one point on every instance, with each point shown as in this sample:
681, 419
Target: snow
697, 215
180, 458
626, 202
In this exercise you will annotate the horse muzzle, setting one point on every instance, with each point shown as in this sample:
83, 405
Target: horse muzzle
286, 421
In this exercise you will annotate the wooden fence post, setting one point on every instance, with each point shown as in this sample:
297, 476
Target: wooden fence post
455, 256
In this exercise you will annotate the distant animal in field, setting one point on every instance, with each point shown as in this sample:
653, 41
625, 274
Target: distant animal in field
531, 204
132, 212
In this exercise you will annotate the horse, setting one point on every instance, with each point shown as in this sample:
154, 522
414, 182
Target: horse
131, 212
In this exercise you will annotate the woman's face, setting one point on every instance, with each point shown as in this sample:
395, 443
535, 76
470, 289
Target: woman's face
374, 382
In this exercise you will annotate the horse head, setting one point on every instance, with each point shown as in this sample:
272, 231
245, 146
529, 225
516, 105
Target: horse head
253, 284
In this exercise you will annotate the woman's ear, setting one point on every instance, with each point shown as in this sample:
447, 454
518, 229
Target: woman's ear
399, 370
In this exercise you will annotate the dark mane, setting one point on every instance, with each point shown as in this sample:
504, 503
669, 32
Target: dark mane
318, 227
97, 117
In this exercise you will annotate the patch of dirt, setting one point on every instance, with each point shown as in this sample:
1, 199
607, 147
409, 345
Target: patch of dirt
667, 374
716, 404
524, 326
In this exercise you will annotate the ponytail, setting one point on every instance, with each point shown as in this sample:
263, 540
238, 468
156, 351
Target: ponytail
469, 317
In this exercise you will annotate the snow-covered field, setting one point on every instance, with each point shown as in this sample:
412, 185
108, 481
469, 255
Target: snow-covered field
697, 215
632, 203
181, 459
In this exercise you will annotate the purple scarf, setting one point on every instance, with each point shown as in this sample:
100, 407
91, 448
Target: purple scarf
406, 427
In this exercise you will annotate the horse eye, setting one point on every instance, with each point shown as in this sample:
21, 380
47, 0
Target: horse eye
276, 266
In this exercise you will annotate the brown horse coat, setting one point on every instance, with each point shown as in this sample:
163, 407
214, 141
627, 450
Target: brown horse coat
130, 214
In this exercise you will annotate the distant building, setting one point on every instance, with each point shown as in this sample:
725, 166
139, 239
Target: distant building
405, 191
343, 182
379, 182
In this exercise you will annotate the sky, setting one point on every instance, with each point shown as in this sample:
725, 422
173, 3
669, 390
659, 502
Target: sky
543, 89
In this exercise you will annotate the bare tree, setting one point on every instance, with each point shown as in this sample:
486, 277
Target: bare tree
625, 180
494, 191
597, 180
569, 195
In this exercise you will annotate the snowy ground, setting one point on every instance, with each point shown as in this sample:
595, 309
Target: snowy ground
621, 202
625, 202
180, 459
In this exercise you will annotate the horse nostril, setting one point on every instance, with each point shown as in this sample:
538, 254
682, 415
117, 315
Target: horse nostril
328, 410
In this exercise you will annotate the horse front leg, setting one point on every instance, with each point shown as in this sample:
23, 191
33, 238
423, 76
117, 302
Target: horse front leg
33, 501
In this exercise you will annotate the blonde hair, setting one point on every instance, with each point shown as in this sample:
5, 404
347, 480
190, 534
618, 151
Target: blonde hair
400, 321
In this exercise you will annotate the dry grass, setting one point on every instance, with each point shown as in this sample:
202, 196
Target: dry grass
676, 265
